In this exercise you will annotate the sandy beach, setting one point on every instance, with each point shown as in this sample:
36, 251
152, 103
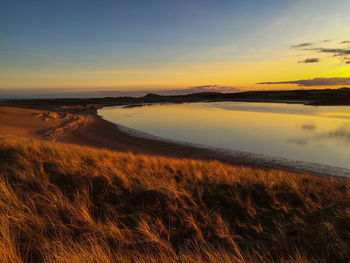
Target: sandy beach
85, 127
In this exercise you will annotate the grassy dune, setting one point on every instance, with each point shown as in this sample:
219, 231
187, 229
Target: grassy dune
63, 203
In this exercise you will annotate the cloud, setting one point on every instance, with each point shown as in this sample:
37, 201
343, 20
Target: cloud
335, 51
305, 44
310, 60
314, 82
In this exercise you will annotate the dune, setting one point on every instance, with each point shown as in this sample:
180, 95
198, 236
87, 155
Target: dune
66, 203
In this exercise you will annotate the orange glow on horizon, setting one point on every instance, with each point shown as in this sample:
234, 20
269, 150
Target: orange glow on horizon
243, 75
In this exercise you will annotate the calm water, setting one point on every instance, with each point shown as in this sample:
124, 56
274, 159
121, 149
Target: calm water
307, 133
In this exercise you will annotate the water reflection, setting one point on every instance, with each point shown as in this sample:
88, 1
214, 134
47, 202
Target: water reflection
298, 141
340, 135
316, 134
308, 127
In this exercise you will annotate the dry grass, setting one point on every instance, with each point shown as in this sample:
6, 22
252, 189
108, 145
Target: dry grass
63, 203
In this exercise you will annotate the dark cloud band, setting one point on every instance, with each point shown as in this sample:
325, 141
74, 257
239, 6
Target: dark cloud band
340, 52
306, 44
314, 82
335, 51
310, 60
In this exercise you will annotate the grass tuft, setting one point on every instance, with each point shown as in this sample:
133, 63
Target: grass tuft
64, 203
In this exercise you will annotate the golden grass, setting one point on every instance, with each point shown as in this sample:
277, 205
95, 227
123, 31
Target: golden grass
64, 203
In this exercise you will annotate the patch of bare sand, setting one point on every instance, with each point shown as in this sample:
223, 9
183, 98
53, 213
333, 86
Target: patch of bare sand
87, 128
37, 123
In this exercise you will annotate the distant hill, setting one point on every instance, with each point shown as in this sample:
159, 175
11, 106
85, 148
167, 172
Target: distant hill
311, 97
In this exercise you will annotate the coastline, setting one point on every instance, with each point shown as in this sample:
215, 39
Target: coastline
82, 125
235, 157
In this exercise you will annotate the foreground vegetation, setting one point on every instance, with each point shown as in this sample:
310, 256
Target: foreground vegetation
64, 203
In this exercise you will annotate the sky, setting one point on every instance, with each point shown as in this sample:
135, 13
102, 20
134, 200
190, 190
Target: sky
161, 44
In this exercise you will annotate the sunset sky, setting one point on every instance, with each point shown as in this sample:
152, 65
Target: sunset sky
125, 44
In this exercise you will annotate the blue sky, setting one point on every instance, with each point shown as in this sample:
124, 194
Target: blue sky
44, 42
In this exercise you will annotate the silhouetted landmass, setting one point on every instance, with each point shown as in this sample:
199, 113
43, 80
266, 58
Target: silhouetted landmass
310, 97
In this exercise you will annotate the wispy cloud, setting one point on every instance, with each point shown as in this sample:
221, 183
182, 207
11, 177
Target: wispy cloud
305, 44
310, 60
314, 82
340, 52
334, 51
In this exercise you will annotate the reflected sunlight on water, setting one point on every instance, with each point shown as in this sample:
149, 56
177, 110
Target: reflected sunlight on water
307, 133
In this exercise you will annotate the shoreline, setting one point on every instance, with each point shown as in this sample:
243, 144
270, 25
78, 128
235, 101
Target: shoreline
82, 125
256, 160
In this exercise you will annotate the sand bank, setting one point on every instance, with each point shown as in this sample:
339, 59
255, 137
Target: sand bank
87, 128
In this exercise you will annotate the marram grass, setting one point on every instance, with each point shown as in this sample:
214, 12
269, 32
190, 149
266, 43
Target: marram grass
64, 203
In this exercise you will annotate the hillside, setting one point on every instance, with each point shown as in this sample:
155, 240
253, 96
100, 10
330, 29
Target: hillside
64, 203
